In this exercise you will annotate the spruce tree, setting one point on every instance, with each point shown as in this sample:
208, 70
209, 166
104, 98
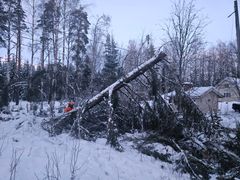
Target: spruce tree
154, 81
86, 74
110, 71
2, 85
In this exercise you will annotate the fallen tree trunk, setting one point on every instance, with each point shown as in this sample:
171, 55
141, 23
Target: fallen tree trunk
124, 81
57, 124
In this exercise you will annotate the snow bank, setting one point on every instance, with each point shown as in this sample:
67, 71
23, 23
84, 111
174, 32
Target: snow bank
41, 156
228, 115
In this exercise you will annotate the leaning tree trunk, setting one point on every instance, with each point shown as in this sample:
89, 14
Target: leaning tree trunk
56, 125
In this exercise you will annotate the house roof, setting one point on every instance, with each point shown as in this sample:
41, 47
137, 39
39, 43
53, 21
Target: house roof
196, 92
199, 91
231, 80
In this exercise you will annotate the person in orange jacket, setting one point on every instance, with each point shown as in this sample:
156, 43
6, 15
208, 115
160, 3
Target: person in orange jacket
69, 107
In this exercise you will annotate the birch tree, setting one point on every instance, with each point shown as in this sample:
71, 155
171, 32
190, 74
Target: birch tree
32, 5
184, 35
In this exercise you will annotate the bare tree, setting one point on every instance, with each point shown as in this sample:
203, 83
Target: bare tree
33, 25
99, 30
131, 60
184, 34
64, 14
215, 64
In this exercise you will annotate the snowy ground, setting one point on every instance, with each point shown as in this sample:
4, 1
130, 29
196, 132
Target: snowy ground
38, 156
228, 115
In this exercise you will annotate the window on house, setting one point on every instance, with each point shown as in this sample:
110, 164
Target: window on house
226, 85
227, 94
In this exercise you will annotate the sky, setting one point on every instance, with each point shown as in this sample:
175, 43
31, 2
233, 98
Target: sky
131, 19
134, 19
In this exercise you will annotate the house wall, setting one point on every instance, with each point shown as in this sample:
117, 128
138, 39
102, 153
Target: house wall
228, 87
207, 102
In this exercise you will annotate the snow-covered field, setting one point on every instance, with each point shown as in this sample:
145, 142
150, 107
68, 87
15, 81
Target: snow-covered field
228, 115
28, 153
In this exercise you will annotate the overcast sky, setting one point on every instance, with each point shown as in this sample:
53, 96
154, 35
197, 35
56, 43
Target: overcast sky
133, 18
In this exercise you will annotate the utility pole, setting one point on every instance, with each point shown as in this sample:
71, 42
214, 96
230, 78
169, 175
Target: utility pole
238, 36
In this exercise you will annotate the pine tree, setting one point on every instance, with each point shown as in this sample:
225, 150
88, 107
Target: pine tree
79, 26
78, 30
11, 16
19, 26
3, 22
49, 23
110, 71
43, 23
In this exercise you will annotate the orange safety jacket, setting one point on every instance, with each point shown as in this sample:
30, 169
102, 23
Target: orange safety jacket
67, 109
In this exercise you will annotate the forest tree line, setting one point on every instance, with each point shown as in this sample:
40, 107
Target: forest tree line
69, 56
